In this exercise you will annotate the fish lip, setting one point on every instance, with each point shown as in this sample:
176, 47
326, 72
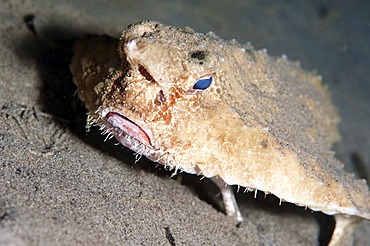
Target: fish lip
123, 124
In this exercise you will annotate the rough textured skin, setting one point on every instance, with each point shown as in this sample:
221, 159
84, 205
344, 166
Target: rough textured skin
263, 123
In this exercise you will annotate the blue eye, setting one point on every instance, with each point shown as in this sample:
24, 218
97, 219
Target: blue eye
202, 83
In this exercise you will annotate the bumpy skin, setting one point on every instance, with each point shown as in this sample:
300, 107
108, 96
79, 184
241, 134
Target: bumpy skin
263, 123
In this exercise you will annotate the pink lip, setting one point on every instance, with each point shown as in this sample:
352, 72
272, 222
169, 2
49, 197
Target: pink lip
128, 126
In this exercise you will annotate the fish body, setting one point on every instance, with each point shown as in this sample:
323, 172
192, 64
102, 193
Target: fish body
207, 106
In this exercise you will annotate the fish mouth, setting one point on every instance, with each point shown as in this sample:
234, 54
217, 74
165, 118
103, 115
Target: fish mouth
126, 127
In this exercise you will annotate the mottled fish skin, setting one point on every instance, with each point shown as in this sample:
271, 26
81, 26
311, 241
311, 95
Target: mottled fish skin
255, 121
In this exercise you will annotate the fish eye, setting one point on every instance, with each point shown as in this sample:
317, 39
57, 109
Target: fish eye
201, 84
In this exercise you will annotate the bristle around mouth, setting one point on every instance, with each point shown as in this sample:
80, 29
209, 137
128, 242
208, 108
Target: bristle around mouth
128, 126
126, 131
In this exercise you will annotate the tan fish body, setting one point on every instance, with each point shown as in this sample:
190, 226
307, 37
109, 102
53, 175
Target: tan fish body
197, 103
